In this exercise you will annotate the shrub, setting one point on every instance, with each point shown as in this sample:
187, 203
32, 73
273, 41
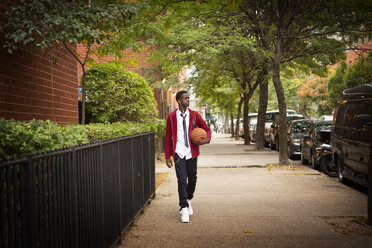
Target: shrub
18, 138
116, 94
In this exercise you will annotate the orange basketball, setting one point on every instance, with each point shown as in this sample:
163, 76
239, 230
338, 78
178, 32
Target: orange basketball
197, 134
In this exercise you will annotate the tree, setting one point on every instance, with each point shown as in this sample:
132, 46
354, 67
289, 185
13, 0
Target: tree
336, 84
359, 73
193, 34
116, 94
45, 24
293, 32
346, 77
315, 91
300, 33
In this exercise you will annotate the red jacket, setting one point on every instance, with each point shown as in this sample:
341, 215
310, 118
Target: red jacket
171, 133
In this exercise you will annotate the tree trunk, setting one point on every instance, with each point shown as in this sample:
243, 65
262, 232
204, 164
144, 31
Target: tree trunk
245, 119
226, 114
305, 109
237, 126
261, 119
283, 157
232, 124
83, 97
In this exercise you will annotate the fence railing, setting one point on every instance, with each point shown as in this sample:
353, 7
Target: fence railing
83, 196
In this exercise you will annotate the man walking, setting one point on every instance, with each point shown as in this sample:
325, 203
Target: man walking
177, 143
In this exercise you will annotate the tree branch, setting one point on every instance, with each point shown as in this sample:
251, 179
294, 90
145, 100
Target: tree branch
73, 54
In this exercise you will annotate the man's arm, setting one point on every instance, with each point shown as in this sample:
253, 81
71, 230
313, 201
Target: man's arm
168, 143
201, 123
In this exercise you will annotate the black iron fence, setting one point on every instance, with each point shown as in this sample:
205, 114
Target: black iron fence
82, 196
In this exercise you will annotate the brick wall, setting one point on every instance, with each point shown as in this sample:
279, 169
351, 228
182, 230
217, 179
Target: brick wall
352, 56
32, 86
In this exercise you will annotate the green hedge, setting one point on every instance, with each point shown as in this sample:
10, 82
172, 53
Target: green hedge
18, 138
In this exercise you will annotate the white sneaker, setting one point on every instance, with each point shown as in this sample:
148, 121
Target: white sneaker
191, 212
185, 218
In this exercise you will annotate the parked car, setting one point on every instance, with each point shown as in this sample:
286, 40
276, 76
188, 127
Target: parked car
295, 131
351, 134
310, 142
326, 118
274, 129
252, 121
270, 116
252, 128
324, 153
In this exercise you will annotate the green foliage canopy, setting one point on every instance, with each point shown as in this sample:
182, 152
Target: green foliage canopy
116, 94
350, 76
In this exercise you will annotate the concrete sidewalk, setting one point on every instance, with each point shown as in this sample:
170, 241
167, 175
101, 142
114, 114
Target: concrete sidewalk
272, 206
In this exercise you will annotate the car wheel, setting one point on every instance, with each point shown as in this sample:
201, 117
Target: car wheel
272, 146
340, 176
314, 165
303, 160
289, 151
277, 144
327, 168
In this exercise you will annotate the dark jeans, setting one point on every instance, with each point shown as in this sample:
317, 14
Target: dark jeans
186, 175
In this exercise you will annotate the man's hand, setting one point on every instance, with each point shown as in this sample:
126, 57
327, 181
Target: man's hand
169, 163
202, 142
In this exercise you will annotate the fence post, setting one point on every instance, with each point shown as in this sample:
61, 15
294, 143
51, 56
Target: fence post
27, 203
119, 185
102, 210
74, 203
143, 174
370, 184
151, 172
133, 184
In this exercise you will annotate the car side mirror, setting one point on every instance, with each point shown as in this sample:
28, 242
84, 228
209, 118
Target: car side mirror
325, 147
306, 136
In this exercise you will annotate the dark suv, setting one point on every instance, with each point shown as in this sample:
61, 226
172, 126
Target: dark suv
351, 134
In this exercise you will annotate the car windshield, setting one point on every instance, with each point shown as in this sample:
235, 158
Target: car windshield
300, 126
292, 118
326, 126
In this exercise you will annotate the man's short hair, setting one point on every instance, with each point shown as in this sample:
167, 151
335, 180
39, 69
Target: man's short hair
179, 94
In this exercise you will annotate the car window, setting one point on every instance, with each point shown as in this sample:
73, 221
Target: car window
308, 129
354, 129
322, 127
270, 117
340, 117
299, 127
292, 118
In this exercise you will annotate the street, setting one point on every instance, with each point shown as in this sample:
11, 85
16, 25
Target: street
244, 199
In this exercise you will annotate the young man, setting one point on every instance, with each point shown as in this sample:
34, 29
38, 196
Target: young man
177, 143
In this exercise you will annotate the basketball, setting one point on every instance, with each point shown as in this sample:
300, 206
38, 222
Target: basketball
197, 134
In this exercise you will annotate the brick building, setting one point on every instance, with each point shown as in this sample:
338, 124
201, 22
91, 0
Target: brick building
353, 56
32, 86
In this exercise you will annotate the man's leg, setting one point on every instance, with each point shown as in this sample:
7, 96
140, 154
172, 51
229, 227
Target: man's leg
181, 172
191, 174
